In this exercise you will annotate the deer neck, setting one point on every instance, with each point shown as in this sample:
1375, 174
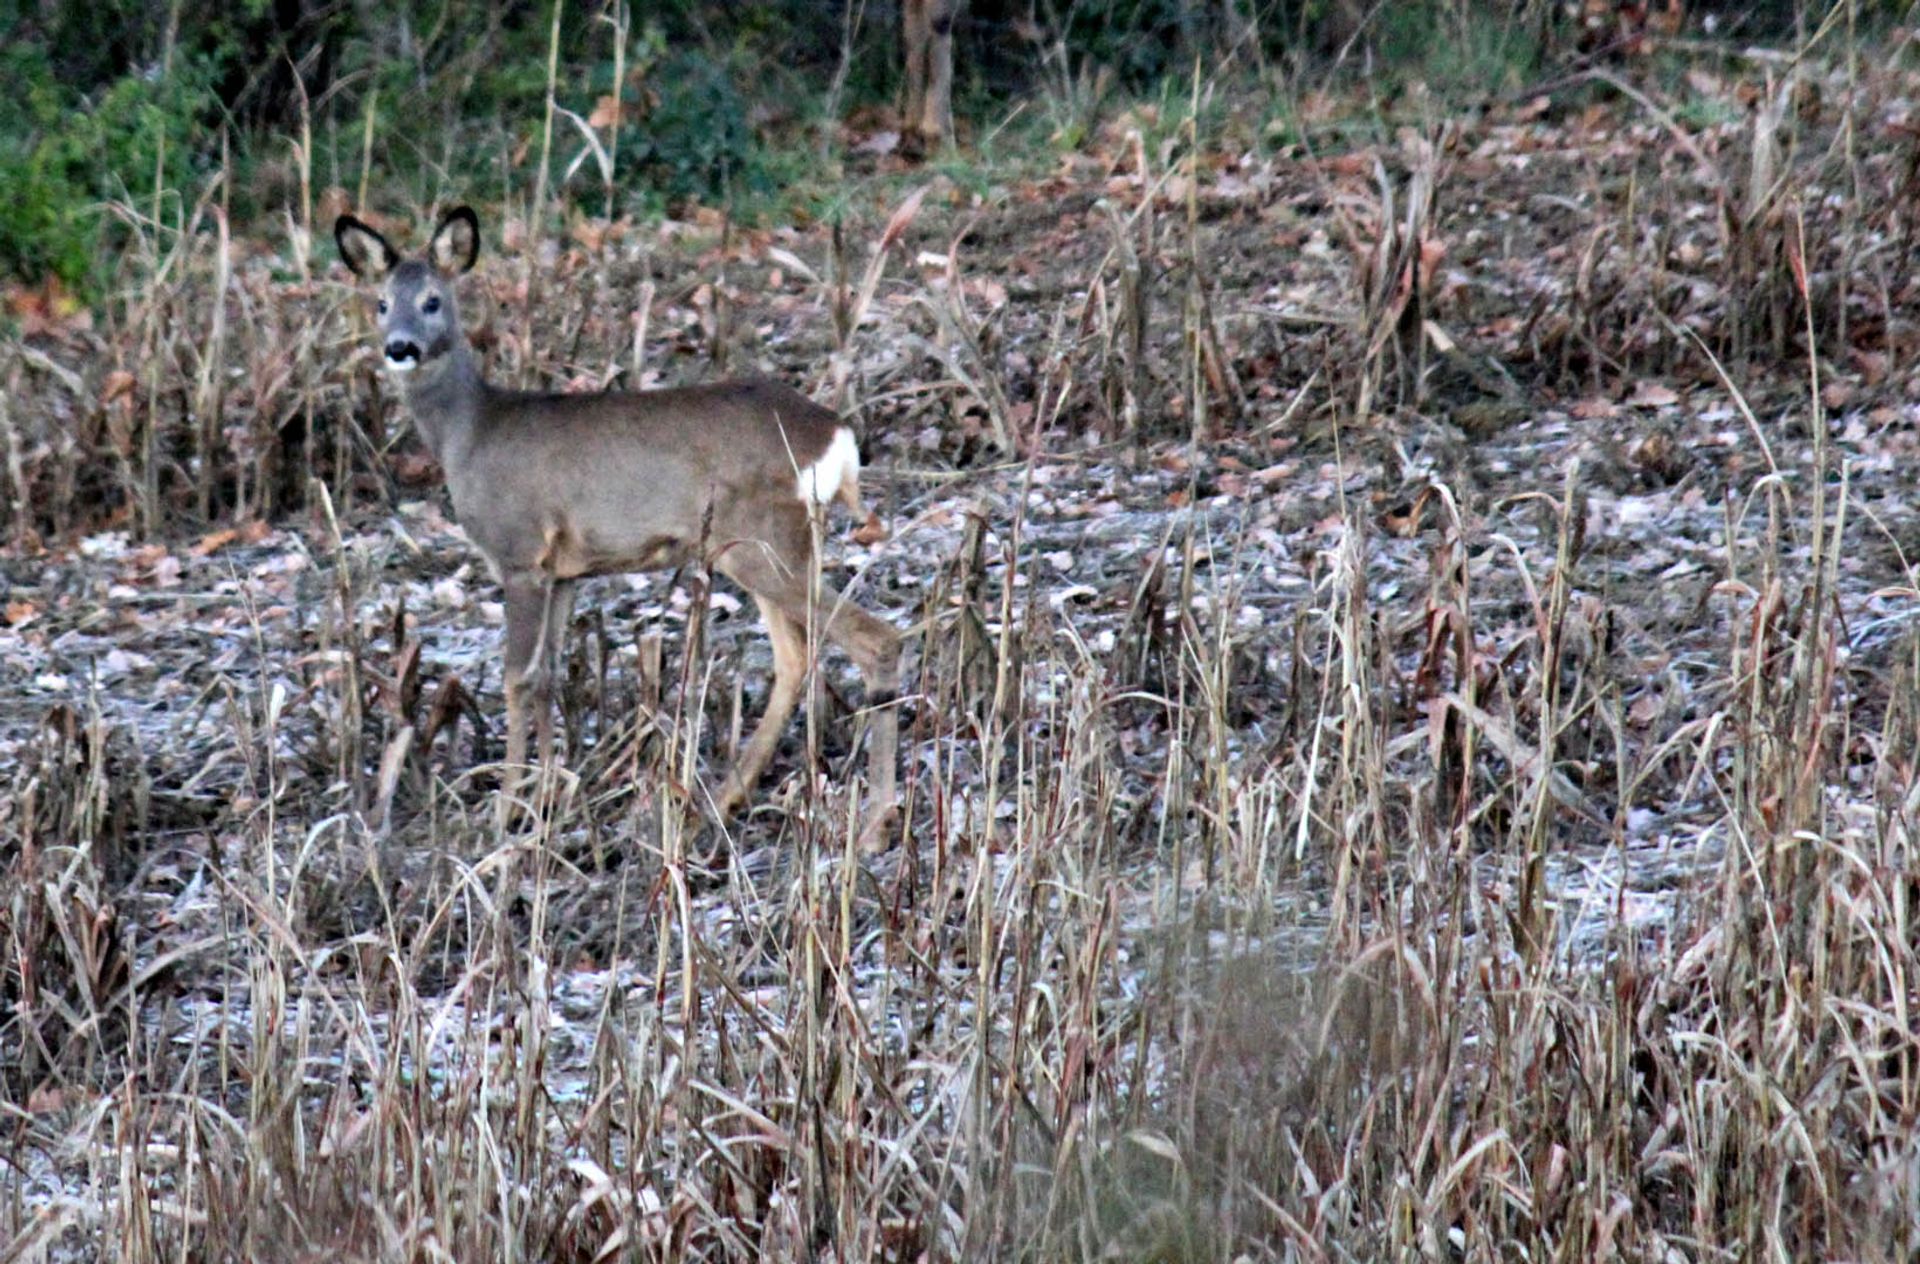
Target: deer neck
445, 397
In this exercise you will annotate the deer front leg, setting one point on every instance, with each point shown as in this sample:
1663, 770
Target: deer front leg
538, 609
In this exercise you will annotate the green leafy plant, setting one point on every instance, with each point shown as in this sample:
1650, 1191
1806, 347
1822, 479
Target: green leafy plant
62, 154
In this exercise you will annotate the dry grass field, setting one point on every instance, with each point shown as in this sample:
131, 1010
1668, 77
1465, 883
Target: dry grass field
1409, 747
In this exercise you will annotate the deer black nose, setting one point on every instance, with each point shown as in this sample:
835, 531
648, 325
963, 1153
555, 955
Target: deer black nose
401, 350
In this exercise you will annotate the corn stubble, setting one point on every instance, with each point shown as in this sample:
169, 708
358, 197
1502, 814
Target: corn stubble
1324, 940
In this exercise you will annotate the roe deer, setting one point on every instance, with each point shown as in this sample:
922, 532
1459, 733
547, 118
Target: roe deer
552, 488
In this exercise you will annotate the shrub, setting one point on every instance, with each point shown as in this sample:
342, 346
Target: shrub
63, 152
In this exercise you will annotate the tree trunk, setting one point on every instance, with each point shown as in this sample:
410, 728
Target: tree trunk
926, 28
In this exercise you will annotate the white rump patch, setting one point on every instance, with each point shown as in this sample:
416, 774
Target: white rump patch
822, 481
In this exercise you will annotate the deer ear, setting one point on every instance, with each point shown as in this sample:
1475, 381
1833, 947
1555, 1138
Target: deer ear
456, 243
365, 251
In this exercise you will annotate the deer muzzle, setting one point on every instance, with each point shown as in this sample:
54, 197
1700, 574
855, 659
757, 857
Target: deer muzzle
403, 355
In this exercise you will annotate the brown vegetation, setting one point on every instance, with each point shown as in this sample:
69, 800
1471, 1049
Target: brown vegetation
1411, 754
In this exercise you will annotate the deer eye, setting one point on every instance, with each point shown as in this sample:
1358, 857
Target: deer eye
431, 304
383, 307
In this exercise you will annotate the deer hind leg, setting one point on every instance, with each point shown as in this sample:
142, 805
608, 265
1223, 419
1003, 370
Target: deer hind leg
554, 627
789, 679
774, 568
875, 649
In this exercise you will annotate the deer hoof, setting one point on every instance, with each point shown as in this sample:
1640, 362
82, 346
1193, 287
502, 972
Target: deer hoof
878, 834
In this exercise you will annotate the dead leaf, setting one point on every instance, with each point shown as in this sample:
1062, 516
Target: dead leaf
214, 541
415, 469
1657, 456
47, 309
606, 111
988, 289
333, 203
902, 217
1650, 394
45, 1098
119, 385
1432, 251
591, 233
1404, 521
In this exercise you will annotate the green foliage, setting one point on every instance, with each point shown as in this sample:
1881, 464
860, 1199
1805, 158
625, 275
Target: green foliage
696, 141
1143, 41
722, 100
62, 153
35, 235
1457, 49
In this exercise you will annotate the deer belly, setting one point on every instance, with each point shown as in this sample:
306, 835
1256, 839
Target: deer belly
570, 553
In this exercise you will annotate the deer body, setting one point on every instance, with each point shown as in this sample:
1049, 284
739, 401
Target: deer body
596, 485
555, 488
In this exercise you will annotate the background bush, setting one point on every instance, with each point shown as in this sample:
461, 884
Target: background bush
132, 101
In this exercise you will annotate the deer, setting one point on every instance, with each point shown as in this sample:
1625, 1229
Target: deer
554, 488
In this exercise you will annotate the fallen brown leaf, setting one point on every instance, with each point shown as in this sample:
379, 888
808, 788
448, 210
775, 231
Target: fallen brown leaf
119, 385
1647, 394
606, 111
214, 541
